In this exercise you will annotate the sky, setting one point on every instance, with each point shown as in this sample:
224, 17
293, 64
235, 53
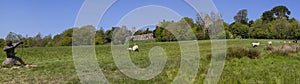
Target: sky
30, 17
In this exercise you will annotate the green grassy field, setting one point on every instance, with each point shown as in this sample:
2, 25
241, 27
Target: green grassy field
56, 65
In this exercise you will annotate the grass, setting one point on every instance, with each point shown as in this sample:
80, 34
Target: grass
56, 65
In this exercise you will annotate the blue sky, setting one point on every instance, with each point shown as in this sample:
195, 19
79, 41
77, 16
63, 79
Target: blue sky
29, 17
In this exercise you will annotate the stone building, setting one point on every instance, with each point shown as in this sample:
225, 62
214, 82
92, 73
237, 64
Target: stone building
143, 37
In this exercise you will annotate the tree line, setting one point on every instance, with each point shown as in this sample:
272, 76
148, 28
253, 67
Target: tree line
273, 24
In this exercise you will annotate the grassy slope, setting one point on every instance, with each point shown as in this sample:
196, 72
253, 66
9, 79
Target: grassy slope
55, 65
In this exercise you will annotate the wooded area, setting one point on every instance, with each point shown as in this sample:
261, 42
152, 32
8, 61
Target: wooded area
273, 24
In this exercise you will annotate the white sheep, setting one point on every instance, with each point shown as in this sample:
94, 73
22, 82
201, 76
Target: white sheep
134, 48
270, 42
255, 44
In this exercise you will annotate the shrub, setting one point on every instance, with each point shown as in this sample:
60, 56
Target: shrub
284, 49
238, 52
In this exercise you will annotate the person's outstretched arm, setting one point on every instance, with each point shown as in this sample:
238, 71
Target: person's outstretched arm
12, 47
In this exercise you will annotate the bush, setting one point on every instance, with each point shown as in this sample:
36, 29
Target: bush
284, 49
237, 52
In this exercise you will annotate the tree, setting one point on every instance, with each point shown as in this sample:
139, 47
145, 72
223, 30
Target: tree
281, 26
258, 30
108, 36
189, 21
64, 39
139, 32
281, 12
251, 22
29, 42
121, 36
181, 29
268, 16
45, 41
199, 20
99, 37
84, 35
157, 33
294, 29
2, 43
241, 16
239, 29
37, 40
99, 41
161, 34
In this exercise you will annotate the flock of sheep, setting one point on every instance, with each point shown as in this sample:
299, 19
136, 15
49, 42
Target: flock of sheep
270, 43
136, 47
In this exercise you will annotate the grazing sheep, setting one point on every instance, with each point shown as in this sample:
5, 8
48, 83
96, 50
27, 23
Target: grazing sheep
270, 42
255, 44
134, 48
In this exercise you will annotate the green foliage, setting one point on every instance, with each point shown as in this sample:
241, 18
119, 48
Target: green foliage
120, 36
44, 42
2, 43
238, 52
239, 29
49, 44
241, 16
268, 16
162, 34
281, 12
67, 41
282, 28
84, 35
141, 32
99, 41
64, 39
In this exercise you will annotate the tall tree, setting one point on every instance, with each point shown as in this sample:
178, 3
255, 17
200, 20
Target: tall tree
281, 12
241, 16
199, 20
99, 36
268, 16
37, 40
121, 36
85, 35
240, 30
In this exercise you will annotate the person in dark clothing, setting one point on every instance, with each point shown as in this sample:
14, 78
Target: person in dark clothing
295, 40
11, 58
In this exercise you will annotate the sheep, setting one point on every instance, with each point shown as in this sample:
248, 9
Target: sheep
134, 48
270, 42
255, 44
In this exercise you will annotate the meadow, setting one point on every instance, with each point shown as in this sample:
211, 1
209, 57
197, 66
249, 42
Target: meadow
56, 65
